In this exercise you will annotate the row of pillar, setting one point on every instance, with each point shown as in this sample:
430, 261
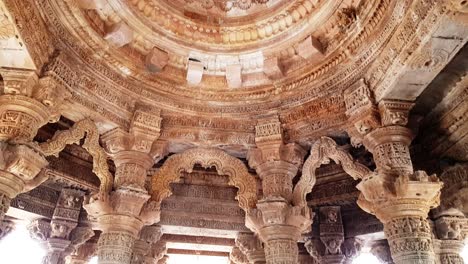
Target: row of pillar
396, 194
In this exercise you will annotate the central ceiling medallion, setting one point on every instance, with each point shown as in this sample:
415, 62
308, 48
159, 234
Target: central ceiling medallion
227, 5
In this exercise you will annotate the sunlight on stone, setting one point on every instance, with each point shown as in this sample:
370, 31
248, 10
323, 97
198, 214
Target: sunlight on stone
366, 258
179, 259
19, 247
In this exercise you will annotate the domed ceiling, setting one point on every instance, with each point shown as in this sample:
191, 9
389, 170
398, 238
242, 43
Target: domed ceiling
268, 54
213, 68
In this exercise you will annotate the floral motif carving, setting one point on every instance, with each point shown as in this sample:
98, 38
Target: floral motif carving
224, 164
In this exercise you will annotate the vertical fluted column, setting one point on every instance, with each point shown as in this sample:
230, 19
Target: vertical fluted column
26, 104
381, 250
276, 220
399, 197
127, 211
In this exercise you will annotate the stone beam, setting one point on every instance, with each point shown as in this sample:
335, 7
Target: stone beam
202, 240
425, 45
197, 252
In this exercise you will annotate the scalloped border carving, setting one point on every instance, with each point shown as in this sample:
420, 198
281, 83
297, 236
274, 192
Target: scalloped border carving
88, 130
321, 152
224, 164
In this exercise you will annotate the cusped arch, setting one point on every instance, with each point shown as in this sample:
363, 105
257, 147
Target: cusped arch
225, 165
322, 151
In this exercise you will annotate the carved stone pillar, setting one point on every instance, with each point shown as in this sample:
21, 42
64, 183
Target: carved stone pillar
449, 231
328, 248
381, 250
6, 227
123, 216
148, 249
251, 247
450, 221
278, 223
83, 254
236, 256
399, 197
61, 236
26, 104
351, 249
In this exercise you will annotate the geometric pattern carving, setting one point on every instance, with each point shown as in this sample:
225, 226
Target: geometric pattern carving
224, 164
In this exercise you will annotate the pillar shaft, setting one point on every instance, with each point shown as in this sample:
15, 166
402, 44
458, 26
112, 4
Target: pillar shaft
276, 220
281, 250
399, 197
115, 247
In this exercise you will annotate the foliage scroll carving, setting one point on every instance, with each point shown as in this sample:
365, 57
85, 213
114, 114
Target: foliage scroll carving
224, 164
322, 151
83, 129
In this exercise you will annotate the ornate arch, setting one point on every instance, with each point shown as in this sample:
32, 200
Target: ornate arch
321, 152
224, 164
86, 129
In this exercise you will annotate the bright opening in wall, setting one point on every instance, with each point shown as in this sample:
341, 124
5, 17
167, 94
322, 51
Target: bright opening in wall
465, 253
366, 258
192, 259
19, 247
93, 261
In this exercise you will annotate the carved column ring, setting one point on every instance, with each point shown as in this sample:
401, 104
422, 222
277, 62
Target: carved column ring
130, 156
388, 134
23, 115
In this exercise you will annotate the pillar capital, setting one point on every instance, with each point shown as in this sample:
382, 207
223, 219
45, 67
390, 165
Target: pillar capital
19, 169
407, 195
28, 102
279, 225
252, 247
148, 248
455, 191
450, 227
351, 249
82, 254
381, 250
328, 247
237, 256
